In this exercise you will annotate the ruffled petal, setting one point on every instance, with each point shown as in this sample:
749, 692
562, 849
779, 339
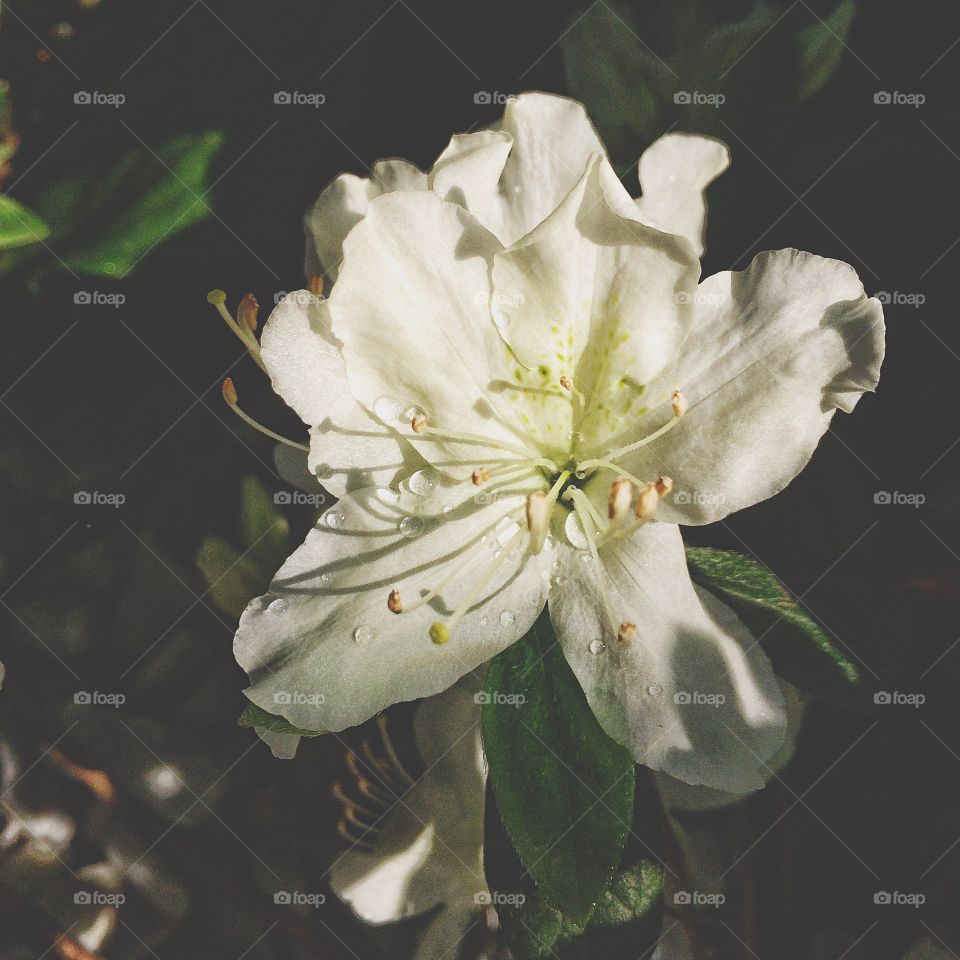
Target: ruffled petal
674, 173
412, 309
775, 350
322, 648
343, 203
692, 694
349, 449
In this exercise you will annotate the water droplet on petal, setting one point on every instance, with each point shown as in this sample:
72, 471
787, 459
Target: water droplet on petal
581, 474
501, 319
508, 618
558, 581
325, 577
597, 646
446, 508
654, 690
484, 620
334, 520
411, 527
363, 635
387, 408
574, 436
414, 411
423, 482
278, 606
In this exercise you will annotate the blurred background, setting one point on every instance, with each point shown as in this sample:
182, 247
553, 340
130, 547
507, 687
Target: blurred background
145, 158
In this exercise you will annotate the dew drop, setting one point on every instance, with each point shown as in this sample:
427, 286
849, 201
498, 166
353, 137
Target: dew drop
414, 411
573, 528
558, 581
363, 635
507, 617
278, 606
334, 520
423, 482
581, 474
574, 436
597, 646
411, 527
446, 508
654, 690
387, 408
484, 620
325, 577
501, 319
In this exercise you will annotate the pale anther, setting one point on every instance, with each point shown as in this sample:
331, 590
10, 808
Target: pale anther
627, 632
419, 423
621, 496
679, 403
479, 476
647, 503
663, 484
538, 519
394, 603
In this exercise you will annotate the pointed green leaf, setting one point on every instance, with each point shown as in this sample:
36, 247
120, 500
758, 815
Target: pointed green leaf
18, 225
821, 48
799, 648
264, 530
563, 787
232, 579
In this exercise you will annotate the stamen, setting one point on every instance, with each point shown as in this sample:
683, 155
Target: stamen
429, 432
315, 284
350, 838
391, 751
566, 383
394, 603
230, 396
663, 484
679, 405
440, 632
419, 423
340, 795
247, 312
621, 496
538, 519
219, 299
479, 476
647, 502
580, 500
627, 632
587, 505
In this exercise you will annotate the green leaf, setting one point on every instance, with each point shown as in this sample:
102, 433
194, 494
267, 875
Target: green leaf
18, 225
625, 923
264, 530
821, 48
145, 199
254, 716
799, 648
232, 579
563, 787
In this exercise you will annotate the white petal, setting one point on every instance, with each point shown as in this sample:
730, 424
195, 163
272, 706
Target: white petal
411, 308
431, 848
678, 796
601, 299
343, 203
687, 644
775, 350
468, 172
323, 650
439, 941
674, 172
349, 449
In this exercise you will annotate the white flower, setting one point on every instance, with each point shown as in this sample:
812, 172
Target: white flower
475, 400
428, 850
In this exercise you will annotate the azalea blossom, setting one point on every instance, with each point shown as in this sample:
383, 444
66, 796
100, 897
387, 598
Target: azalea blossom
519, 388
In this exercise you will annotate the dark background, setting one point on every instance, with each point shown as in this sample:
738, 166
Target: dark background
127, 400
